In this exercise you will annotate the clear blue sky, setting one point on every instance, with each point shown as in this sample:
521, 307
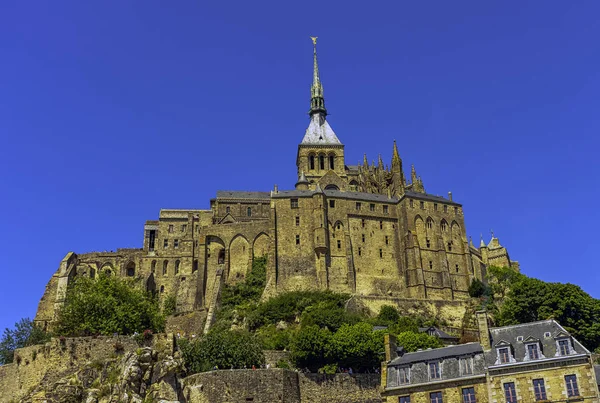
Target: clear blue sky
112, 110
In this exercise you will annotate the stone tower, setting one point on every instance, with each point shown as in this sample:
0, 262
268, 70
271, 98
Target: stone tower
321, 153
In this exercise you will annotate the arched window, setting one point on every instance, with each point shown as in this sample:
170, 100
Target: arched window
249, 212
130, 269
331, 187
165, 267
221, 258
162, 289
177, 267
311, 160
92, 273
195, 267
331, 162
227, 209
444, 225
429, 223
153, 266
322, 161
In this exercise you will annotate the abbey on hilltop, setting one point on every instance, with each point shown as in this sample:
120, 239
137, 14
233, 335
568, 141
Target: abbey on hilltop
360, 229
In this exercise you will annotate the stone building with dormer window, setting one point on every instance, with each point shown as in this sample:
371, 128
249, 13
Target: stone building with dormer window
531, 362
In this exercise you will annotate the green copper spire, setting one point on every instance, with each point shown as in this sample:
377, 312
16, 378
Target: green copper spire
317, 101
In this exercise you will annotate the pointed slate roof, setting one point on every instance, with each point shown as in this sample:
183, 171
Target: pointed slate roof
319, 132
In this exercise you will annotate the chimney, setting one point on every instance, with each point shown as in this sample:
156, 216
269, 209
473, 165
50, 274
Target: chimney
391, 349
276, 190
450, 196
484, 330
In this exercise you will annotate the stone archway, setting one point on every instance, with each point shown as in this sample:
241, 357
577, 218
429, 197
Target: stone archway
239, 258
261, 245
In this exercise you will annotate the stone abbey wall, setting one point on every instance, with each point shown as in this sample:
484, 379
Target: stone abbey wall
280, 386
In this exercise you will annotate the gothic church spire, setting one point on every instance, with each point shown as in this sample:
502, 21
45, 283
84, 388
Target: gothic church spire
317, 100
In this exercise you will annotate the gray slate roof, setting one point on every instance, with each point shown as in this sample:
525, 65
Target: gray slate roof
229, 194
438, 333
535, 330
319, 132
427, 196
359, 196
438, 353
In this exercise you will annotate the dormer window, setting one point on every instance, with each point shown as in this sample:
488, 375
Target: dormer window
504, 356
563, 346
403, 375
533, 352
466, 366
434, 370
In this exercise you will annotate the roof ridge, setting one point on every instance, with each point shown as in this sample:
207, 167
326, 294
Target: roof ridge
523, 324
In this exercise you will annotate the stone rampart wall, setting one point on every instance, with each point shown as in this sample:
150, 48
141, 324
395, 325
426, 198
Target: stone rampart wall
54, 360
280, 386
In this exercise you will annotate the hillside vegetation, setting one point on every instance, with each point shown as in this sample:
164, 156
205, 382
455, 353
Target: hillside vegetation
317, 330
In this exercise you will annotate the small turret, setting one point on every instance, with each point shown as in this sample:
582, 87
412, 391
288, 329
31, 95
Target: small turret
302, 183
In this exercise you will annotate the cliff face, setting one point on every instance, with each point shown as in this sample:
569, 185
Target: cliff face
107, 369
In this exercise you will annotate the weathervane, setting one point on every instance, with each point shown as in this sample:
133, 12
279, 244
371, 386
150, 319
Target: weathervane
314, 39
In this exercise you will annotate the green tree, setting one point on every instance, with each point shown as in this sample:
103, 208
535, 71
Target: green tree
501, 279
272, 338
531, 299
223, 350
108, 305
477, 288
356, 346
405, 324
25, 333
327, 314
309, 347
412, 341
388, 315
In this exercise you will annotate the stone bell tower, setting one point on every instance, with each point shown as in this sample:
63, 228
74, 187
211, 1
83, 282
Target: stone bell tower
320, 151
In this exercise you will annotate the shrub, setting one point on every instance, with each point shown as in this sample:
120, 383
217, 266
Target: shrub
169, 306
388, 315
477, 288
108, 305
328, 314
272, 338
286, 307
230, 349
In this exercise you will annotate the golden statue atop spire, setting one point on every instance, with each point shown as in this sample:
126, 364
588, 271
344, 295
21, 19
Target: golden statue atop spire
314, 39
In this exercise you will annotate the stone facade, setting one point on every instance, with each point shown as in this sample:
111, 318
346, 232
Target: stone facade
363, 229
537, 361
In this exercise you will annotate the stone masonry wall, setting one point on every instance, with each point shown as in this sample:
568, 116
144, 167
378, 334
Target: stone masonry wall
55, 359
279, 385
